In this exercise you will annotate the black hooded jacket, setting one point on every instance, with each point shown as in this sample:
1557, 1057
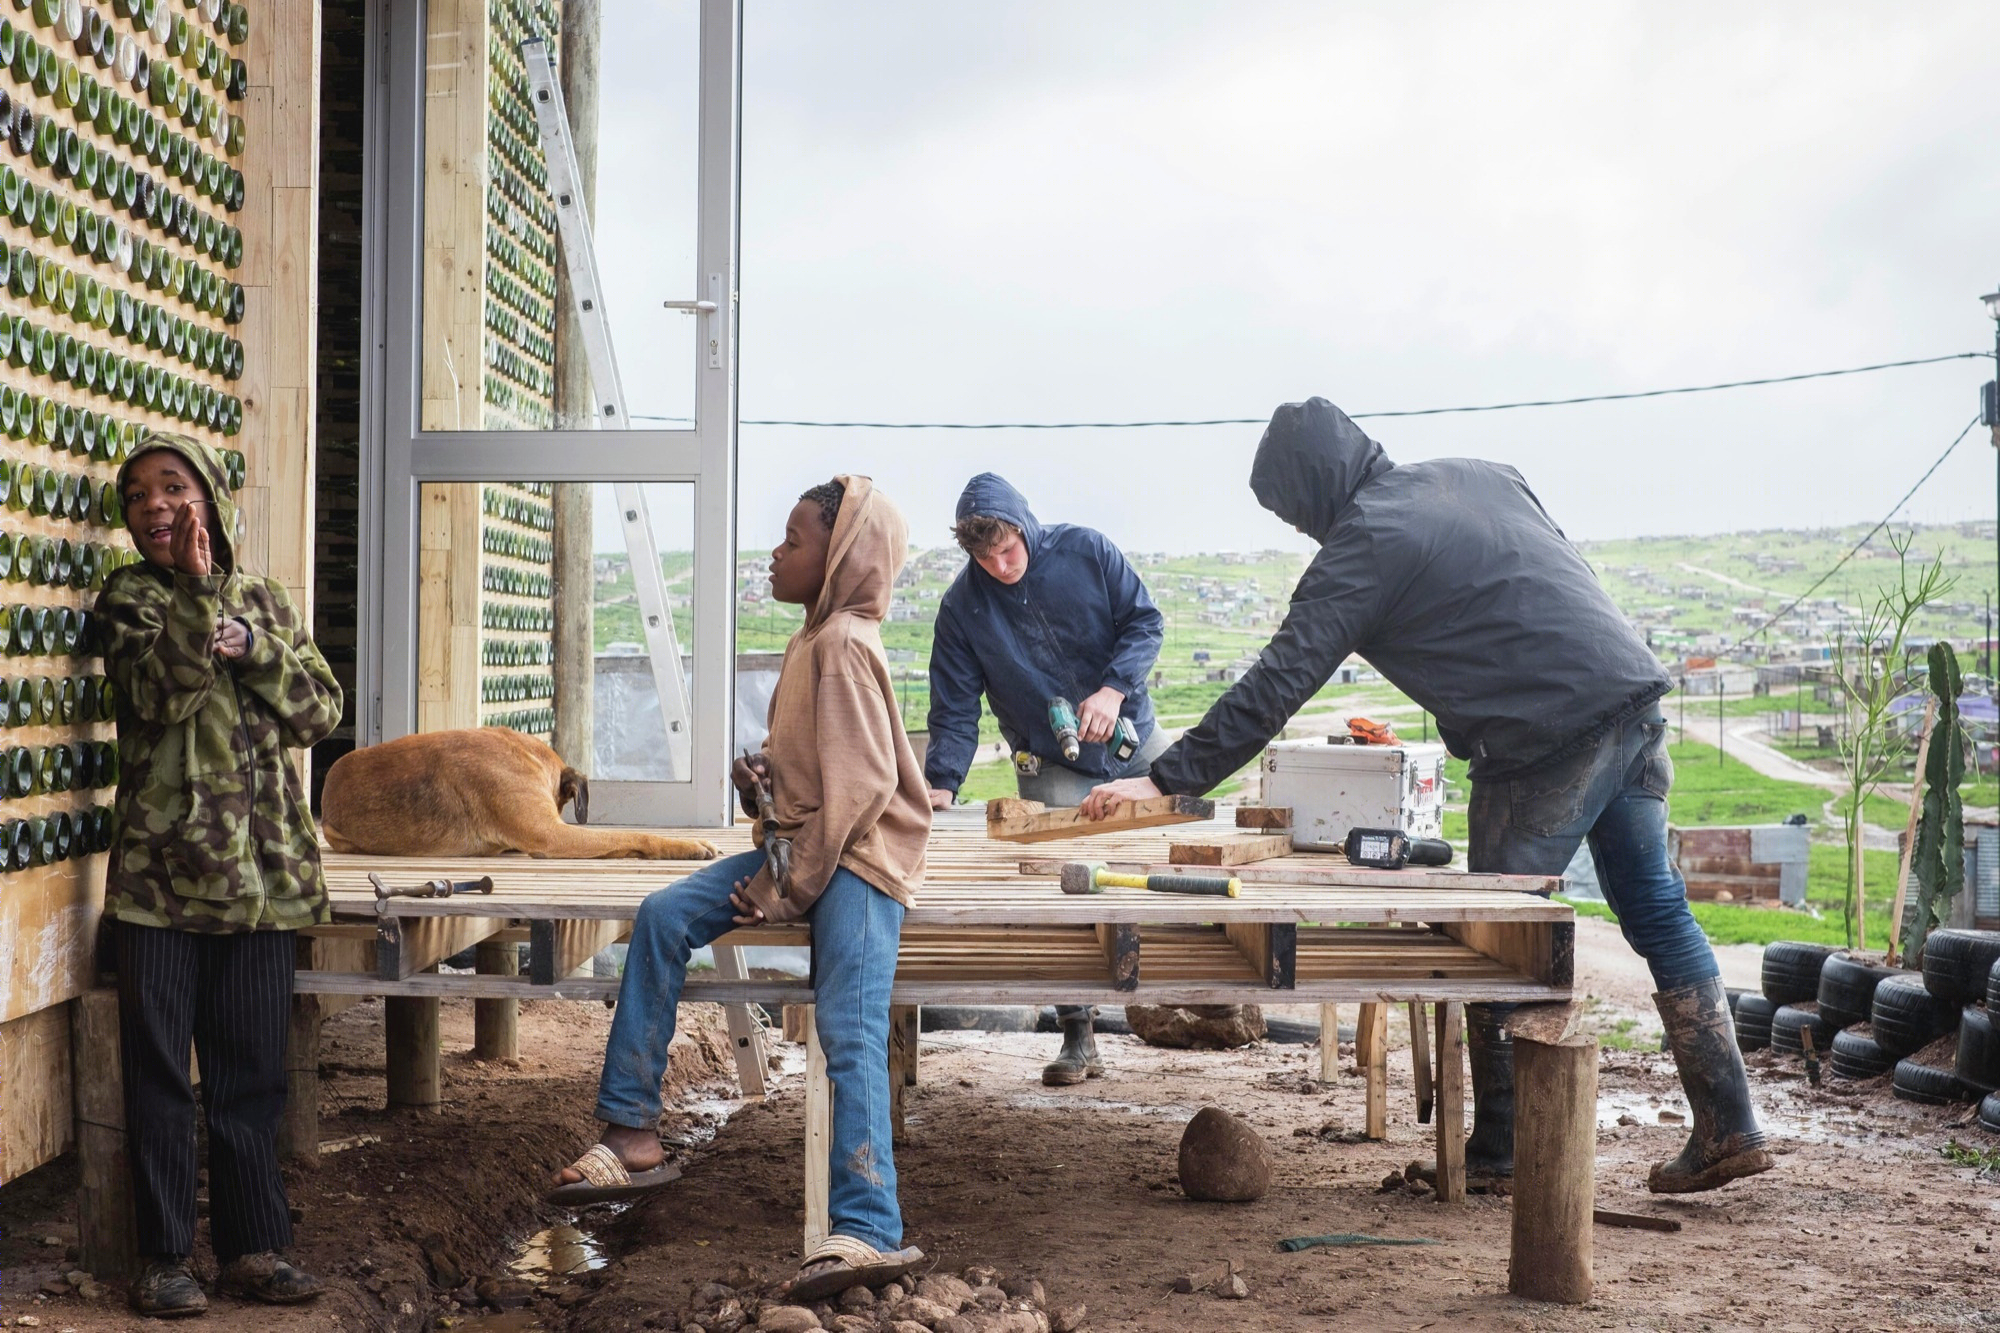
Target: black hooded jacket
1454, 583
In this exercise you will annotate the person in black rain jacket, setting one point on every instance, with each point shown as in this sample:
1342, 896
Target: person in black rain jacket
1452, 581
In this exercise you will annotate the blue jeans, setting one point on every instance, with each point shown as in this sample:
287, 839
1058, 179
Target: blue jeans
855, 932
1615, 794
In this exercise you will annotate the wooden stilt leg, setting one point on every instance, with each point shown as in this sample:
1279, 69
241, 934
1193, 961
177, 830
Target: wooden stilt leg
819, 1134
496, 1024
410, 1036
1375, 1021
1420, 1059
902, 1061
1329, 1043
746, 1030
1555, 1169
298, 1132
107, 1242
1450, 1103
1364, 1034
912, 1019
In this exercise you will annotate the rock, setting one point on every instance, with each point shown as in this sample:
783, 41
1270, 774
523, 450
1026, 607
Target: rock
1196, 1026
963, 1323
989, 1298
728, 1317
851, 1323
1232, 1288
1187, 1284
892, 1292
53, 1242
907, 1326
857, 1298
1223, 1160
1390, 1183
443, 1262
917, 1310
1024, 1289
57, 1286
503, 1293
76, 1277
27, 1321
954, 1294
982, 1275
1628, 1119
90, 1290
787, 1319
712, 1294
1672, 1118
1068, 1319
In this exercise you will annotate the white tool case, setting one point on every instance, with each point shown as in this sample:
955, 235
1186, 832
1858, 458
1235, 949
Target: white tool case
1333, 788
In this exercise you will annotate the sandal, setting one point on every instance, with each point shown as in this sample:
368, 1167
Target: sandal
268, 1278
850, 1263
606, 1179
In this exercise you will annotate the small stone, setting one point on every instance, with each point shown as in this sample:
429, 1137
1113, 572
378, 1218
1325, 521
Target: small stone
857, 1298
76, 1277
712, 1294
1196, 1026
851, 1323
1232, 1288
982, 1275
1186, 1284
53, 1242
1672, 1118
1390, 1183
917, 1310
503, 1293
728, 1317
1068, 1319
57, 1286
1223, 1160
27, 1321
989, 1298
1421, 1173
1628, 1119
787, 1319
1024, 1289
963, 1323
907, 1326
893, 1292
950, 1292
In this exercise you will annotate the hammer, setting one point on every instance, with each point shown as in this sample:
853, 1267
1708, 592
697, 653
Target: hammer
430, 888
1096, 877
777, 850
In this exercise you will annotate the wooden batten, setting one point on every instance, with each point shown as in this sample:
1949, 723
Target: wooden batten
405, 947
558, 948
1545, 952
1237, 851
37, 1111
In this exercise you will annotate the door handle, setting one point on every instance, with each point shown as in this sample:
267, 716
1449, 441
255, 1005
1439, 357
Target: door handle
692, 307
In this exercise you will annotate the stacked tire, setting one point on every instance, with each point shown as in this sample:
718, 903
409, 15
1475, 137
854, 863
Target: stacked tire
1846, 1001
1790, 979
1959, 966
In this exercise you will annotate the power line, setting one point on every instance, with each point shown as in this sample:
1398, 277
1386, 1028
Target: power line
1358, 416
1854, 549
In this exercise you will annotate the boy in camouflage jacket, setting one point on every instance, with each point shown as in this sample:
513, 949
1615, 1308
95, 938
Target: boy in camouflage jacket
216, 864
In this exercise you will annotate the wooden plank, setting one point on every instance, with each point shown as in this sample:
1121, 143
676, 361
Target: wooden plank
37, 1100
1231, 851
1909, 848
1420, 1059
1604, 1217
819, 1136
1120, 942
1266, 817
902, 1065
1329, 1043
1330, 871
1375, 1021
1030, 821
107, 1237
746, 1030
1271, 949
1451, 1103
558, 948
405, 946
49, 914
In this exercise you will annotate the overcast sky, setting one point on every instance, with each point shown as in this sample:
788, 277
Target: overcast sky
1059, 211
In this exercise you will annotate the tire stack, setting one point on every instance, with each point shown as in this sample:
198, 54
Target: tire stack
1989, 1110
1790, 1002
1846, 1001
1958, 968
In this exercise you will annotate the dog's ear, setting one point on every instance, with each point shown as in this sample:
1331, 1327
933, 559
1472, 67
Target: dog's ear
575, 786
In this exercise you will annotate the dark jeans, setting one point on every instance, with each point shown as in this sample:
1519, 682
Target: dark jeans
232, 995
1614, 794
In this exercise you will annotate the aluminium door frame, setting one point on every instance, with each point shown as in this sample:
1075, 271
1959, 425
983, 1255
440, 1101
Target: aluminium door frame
398, 457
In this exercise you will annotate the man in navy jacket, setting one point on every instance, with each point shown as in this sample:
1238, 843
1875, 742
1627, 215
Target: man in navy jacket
1040, 613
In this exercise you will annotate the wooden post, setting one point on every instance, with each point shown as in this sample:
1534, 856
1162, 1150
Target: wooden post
496, 1024
410, 1037
902, 1065
1910, 834
1555, 1169
573, 568
1329, 1043
913, 1028
1420, 1059
1374, 1023
746, 1030
819, 1134
107, 1238
1450, 1102
298, 1132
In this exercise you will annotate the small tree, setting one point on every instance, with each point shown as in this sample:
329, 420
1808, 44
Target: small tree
1871, 682
1938, 863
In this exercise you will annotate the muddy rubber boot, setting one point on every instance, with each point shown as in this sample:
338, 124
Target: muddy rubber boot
1725, 1143
1078, 1059
1489, 1149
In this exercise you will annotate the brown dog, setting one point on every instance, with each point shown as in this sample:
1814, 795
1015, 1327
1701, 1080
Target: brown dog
477, 792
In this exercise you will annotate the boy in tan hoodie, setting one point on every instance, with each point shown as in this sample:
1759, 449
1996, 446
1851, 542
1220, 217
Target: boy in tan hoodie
851, 798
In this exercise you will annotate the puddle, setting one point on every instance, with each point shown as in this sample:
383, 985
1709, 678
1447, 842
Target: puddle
561, 1250
1784, 1118
1042, 1101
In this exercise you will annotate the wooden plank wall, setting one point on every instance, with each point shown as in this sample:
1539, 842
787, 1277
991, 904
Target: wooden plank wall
49, 914
485, 601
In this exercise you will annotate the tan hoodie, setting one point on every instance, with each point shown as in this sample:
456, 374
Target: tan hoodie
848, 789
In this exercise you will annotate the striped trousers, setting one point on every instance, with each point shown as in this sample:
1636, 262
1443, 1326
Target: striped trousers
231, 995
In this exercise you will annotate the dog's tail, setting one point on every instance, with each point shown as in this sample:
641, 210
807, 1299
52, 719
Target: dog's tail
574, 786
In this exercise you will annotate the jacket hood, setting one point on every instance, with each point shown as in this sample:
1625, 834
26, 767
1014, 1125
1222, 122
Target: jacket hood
869, 544
1311, 461
991, 495
208, 464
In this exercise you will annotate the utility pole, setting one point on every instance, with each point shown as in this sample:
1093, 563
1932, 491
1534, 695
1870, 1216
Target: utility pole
574, 641
1989, 416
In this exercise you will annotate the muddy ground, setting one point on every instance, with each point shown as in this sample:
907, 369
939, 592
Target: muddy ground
1867, 1224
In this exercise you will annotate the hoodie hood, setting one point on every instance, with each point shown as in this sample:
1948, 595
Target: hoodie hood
207, 463
990, 495
1311, 461
865, 554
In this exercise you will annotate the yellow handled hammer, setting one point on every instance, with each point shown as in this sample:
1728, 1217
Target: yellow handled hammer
1096, 877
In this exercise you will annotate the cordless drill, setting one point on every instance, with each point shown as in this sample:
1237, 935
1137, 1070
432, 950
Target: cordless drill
1124, 742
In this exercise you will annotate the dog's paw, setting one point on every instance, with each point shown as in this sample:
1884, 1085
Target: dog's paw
693, 849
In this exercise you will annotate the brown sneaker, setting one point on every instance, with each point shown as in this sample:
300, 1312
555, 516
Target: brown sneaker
268, 1278
166, 1289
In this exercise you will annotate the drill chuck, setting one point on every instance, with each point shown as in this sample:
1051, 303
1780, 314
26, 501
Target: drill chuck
1062, 721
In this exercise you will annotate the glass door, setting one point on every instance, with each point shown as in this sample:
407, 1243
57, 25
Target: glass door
557, 541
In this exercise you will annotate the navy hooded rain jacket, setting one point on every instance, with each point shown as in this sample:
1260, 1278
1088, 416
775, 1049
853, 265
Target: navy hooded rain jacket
1079, 619
1454, 583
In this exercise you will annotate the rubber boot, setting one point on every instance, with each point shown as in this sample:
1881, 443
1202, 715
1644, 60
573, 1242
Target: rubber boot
1725, 1143
1078, 1059
1489, 1149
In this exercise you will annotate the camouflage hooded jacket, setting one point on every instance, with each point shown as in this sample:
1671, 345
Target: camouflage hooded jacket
214, 833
